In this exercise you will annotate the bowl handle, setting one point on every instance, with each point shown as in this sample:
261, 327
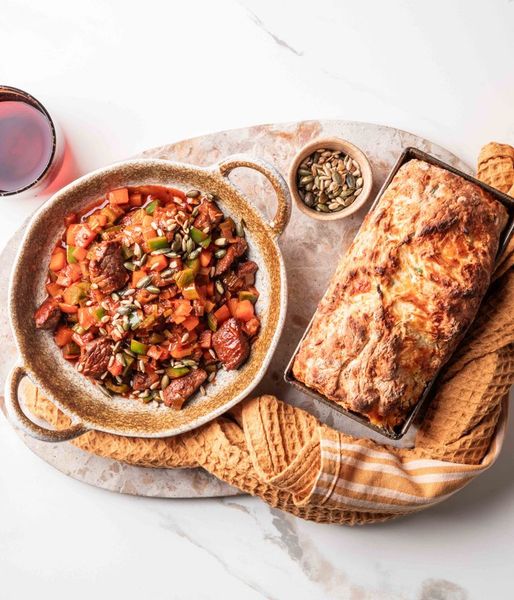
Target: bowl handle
17, 415
281, 218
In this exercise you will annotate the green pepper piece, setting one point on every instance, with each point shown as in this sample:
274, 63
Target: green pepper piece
194, 265
157, 242
197, 235
71, 349
176, 372
157, 338
150, 208
69, 254
117, 389
246, 295
212, 322
110, 213
99, 313
129, 361
138, 347
206, 242
106, 235
184, 278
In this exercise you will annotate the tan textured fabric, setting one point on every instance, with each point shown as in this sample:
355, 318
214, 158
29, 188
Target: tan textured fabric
285, 456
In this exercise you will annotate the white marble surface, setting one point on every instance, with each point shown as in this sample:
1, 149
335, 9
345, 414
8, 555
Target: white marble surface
121, 77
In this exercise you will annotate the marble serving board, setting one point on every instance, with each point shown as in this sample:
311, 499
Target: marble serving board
311, 250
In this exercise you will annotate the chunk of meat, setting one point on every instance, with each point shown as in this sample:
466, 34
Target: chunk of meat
179, 390
142, 381
48, 314
106, 267
231, 344
235, 250
232, 282
209, 215
246, 271
95, 356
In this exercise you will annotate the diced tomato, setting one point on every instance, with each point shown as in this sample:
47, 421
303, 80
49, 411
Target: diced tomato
63, 335
206, 339
251, 327
244, 310
116, 368
178, 193
119, 196
69, 275
154, 352
179, 351
136, 199
69, 309
58, 259
182, 308
191, 323
80, 253
75, 272
205, 258
144, 296
209, 306
71, 218
70, 233
157, 263
222, 314
54, 290
86, 318
84, 236
232, 304
136, 276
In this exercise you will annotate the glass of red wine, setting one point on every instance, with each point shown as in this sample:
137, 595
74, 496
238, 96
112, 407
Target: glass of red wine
31, 148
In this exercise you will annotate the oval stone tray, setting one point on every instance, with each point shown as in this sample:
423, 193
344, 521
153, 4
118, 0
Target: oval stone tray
311, 250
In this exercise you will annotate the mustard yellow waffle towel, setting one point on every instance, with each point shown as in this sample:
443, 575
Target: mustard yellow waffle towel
284, 455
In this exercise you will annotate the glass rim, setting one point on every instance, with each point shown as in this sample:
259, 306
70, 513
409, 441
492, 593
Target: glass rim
29, 99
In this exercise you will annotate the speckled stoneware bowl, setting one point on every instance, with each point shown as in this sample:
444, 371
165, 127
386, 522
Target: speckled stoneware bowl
73, 393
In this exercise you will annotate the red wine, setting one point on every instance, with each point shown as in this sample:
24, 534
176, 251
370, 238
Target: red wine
26, 143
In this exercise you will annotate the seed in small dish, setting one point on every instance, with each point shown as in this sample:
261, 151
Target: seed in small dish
329, 180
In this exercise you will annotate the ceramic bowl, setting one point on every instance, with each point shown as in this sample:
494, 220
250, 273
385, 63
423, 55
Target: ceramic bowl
73, 393
332, 143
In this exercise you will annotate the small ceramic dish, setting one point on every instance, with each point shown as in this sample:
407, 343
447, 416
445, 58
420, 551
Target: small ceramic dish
332, 144
74, 394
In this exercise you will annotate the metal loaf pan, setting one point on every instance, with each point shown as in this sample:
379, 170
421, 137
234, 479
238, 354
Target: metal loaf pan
399, 431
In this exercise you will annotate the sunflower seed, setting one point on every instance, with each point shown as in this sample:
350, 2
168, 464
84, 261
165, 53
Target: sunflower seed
193, 193
220, 253
153, 289
130, 266
192, 255
144, 281
220, 241
240, 228
165, 381
219, 286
